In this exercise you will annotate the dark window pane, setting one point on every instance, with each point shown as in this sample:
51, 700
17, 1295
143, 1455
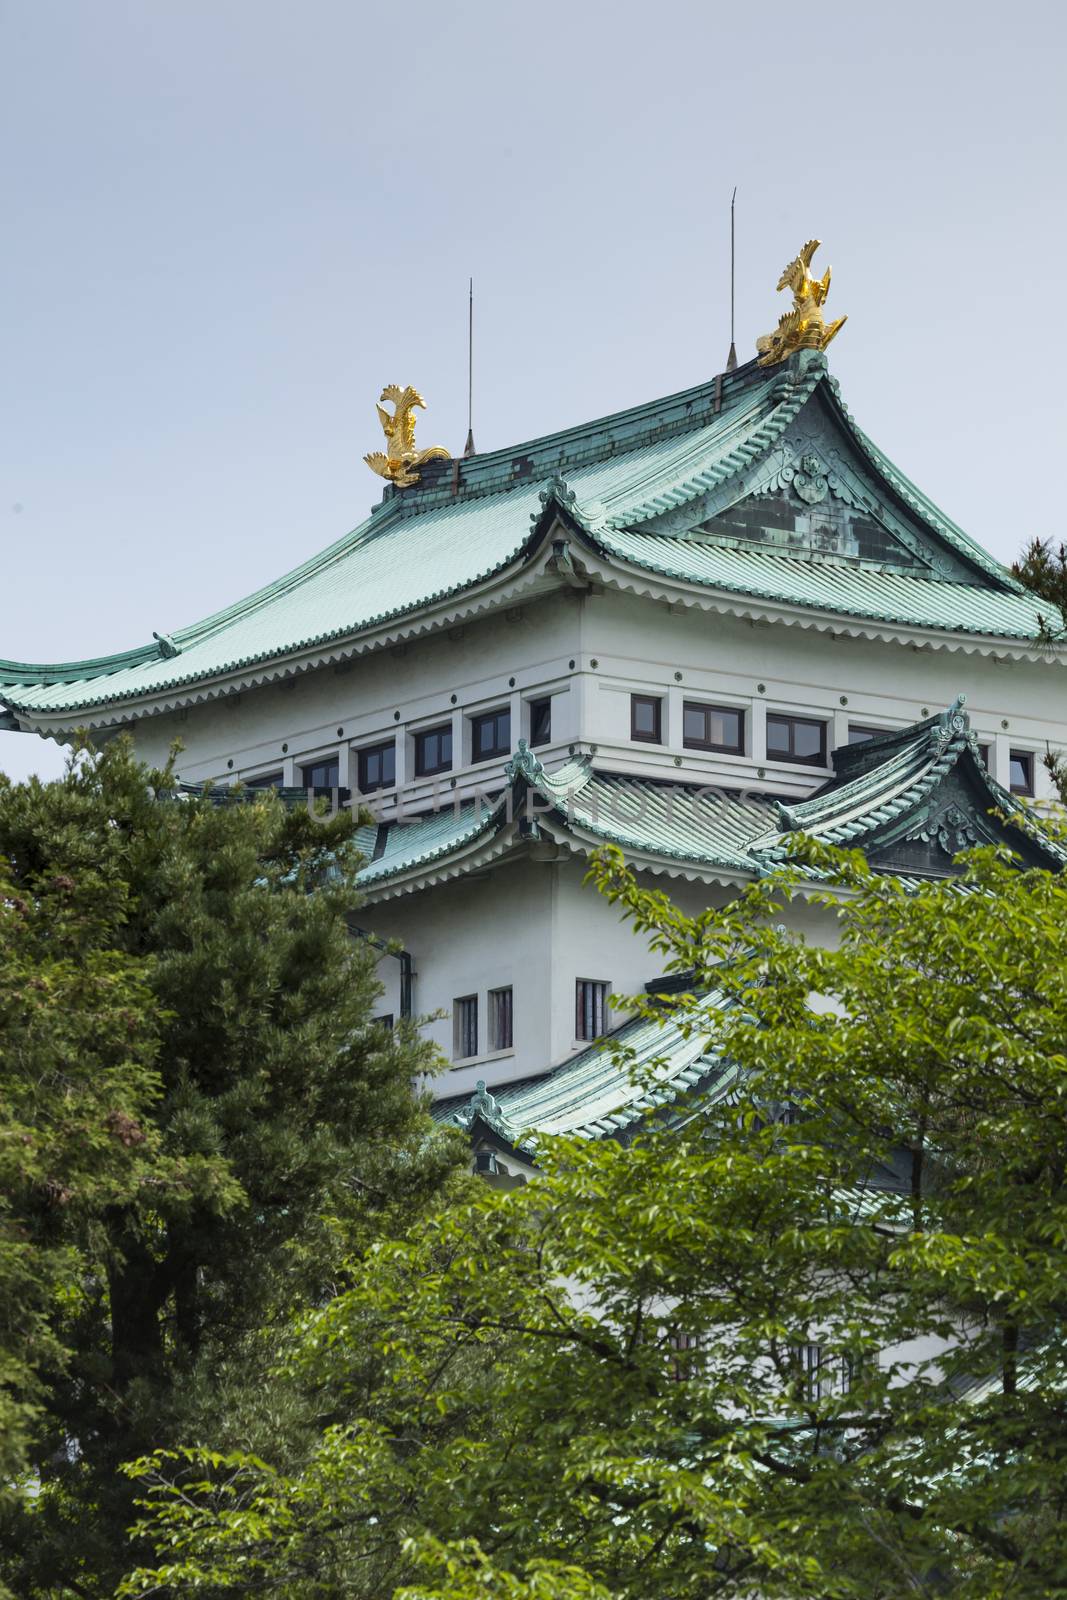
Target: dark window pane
377, 767
590, 1008
491, 735
320, 774
861, 735
433, 750
385, 1022
1022, 772
500, 1026
778, 735
465, 1027
264, 780
983, 755
645, 718
540, 721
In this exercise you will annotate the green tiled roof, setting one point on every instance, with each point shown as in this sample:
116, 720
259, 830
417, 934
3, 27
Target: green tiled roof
596, 1093
893, 779
875, 593
686, 822
469, 521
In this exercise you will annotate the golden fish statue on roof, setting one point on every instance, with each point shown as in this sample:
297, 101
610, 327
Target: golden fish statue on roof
803, 328
400, 461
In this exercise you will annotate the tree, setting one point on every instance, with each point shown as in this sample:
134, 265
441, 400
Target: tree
206, 1123
803, 1336
1043, 570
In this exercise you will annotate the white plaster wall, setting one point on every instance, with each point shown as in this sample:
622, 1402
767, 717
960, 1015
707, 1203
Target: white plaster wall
534, 925
619, 644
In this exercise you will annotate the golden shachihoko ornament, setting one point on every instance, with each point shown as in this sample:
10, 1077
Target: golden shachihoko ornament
804, 327
400, 461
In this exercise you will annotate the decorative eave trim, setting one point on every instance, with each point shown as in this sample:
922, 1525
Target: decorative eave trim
614, 571
515, 583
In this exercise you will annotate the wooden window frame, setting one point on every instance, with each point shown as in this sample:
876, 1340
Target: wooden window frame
542, 703
361, 765
655, 700
422, 769
461, 1027
498, 749
599, 1009
706, 709
502, 1009
794, 722
320, 761
1026, 760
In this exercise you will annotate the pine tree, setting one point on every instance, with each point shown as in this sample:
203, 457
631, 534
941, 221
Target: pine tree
221, 1121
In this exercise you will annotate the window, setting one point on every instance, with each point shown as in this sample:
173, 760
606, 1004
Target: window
686, 1362
645, 719
322, 774
713, 728
858, 735
823, 1374
540, 721
983, 755
385, 1023
500, 1029
264, 780
433, 750
377, 767
590, 1009
796, 739
465, 1027
491, 735
1022, 772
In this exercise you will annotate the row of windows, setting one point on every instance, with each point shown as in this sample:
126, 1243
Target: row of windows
799, 739
590, 1018
490, 740
722, 728
704, 727
465, 1026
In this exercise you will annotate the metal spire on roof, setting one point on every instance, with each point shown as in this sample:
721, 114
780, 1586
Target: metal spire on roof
468, 448
731, 359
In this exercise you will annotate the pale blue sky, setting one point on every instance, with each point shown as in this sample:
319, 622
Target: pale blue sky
229, 222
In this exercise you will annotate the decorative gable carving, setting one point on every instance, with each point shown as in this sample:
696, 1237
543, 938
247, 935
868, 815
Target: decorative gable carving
813, 496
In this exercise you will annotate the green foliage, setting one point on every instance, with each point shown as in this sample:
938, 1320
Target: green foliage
201, 1125
1043, 570
598, 1385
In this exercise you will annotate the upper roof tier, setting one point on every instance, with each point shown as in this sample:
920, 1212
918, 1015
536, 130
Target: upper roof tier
757, 483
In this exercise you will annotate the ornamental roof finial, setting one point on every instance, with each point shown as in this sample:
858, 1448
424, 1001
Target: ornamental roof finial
803, 328
402, 462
